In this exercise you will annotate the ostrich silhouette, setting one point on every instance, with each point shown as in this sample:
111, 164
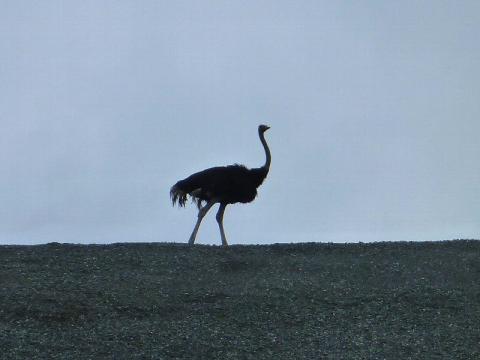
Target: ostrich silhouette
222, 184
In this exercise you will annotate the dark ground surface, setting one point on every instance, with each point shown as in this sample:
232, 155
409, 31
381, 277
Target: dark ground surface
302, 301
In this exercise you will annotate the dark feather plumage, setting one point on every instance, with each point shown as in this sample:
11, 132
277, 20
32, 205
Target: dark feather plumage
225, 184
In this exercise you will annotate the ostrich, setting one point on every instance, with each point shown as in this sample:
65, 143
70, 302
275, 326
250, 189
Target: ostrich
224, 185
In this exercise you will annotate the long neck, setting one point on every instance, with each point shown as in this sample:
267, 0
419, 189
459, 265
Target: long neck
267, 151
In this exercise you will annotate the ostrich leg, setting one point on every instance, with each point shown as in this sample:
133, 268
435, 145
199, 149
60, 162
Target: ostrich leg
201, 213
219, 218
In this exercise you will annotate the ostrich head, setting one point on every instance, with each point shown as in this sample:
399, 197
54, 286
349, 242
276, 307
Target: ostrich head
263, 128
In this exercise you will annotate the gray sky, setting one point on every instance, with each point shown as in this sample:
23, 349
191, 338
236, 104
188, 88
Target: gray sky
374, 108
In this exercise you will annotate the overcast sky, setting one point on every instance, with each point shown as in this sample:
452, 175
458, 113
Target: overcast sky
374, 108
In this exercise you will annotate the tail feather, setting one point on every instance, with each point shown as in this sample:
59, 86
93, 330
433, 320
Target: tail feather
177, 194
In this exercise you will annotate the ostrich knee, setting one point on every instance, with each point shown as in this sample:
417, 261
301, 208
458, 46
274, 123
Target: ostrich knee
201, 214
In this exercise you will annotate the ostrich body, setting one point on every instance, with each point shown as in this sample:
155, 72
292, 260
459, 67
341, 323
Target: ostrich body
222, 184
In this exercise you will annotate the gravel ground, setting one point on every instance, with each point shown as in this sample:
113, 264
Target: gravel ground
291, 301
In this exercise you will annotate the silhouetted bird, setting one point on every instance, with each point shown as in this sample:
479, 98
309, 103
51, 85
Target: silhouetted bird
223, 184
